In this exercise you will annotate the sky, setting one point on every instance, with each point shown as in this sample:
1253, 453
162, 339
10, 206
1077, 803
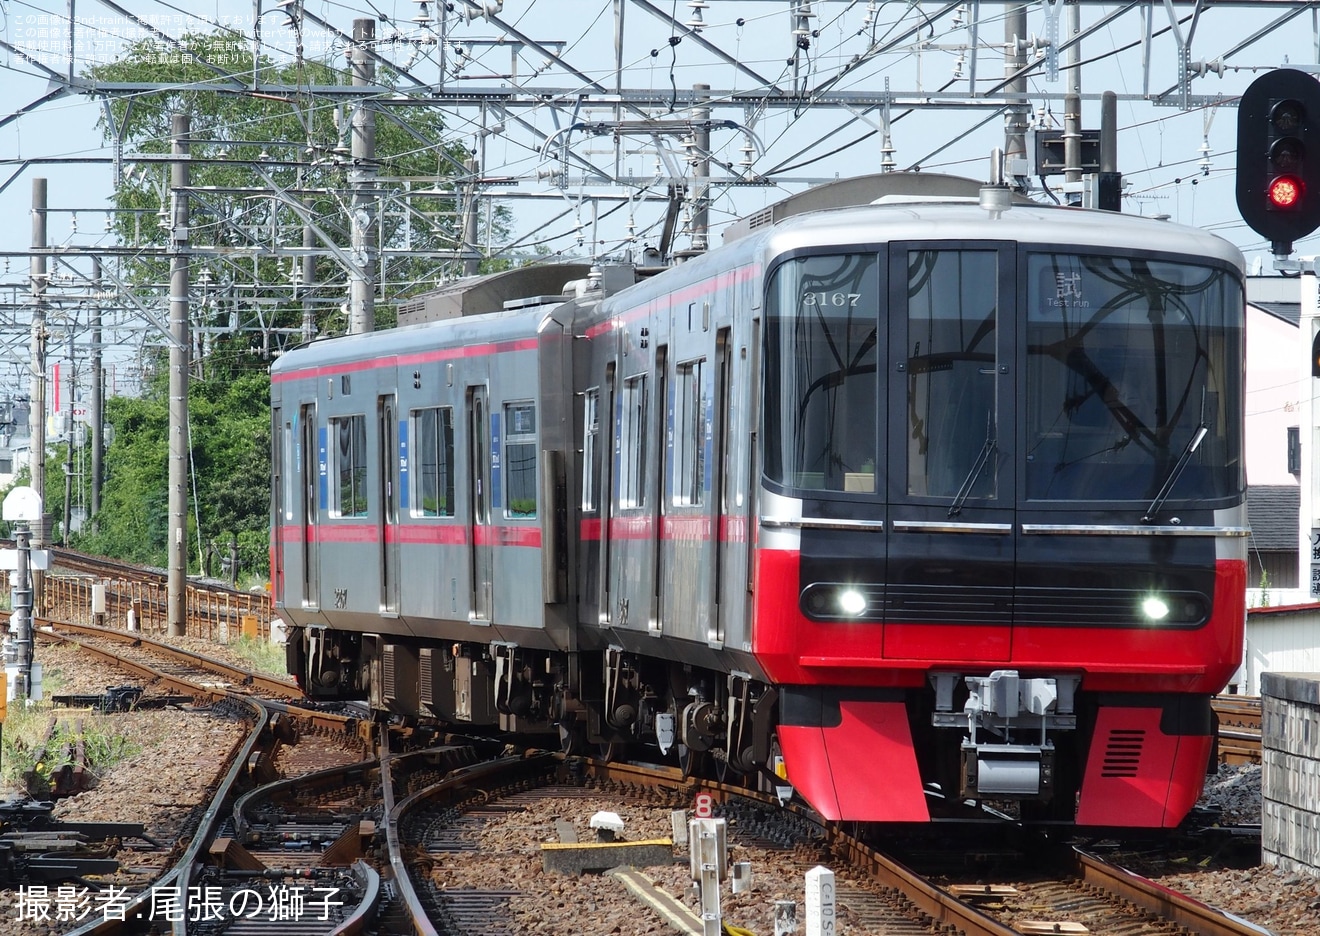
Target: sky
1177, 161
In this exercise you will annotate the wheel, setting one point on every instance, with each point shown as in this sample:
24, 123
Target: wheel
690, 761
609, 751
765, 777
723, 769
572, 736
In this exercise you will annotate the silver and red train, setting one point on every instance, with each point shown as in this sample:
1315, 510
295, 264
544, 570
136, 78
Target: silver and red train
922, 498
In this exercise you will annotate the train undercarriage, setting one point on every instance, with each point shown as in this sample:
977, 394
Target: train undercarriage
960, 746
603, 703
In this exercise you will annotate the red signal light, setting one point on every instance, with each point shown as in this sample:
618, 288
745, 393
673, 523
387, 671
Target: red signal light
1285, 192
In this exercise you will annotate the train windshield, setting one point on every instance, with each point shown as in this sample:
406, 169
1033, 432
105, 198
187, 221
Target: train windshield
1133, 365
1128, 374
821, 354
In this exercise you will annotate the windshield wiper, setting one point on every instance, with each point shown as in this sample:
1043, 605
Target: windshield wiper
965, 490
1197, 437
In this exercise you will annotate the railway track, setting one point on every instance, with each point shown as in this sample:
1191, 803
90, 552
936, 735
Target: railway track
1239, 729
429, 806
435, 847
175, 670
204, 668
196, 861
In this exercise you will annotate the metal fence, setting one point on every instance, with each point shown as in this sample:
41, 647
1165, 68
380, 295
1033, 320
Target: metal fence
211, 613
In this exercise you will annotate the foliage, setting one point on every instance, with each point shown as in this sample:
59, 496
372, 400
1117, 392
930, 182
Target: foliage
269, 162
269, 150
24, 736
263, 656
230, 449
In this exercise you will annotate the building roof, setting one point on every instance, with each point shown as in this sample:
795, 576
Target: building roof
1280, 296
1272, 511
1310, 608
1290, 312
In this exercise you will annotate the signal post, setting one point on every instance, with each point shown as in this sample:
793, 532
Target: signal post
1278, 194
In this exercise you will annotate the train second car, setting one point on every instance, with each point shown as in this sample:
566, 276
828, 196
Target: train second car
924, 498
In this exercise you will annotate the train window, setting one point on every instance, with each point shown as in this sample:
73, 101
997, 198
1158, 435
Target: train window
1128, 358
631, 445
820, 413
433, 462
590, 440
520, 459
289, 467
690, 420
350, 434
951, 367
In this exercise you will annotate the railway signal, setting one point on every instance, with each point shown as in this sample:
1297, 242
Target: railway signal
1278, 157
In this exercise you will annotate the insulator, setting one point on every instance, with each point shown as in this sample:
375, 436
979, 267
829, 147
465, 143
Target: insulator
887, 155
695, 22
802, 18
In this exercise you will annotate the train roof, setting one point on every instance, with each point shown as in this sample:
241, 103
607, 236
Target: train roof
965, 220
900, 217
485, 328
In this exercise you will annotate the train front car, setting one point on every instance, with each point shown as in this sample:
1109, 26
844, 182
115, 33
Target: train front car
1001, 554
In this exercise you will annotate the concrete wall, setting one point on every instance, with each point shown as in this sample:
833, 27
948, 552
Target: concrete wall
1290, 772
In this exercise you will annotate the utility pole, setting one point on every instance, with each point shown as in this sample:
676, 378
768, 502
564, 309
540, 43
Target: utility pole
361, 182
98, 380
37, 418
472, 265
308, 282
701, 170
1015, 91
1072, 107
68, 455
180, 354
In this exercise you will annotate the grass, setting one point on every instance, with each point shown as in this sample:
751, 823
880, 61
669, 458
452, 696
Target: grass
24, 732
261, 655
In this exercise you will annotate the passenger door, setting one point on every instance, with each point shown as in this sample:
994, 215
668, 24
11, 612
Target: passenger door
951, 440
389, 499
312, 466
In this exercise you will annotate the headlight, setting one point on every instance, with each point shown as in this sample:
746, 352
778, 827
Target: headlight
1155, 608
852, 602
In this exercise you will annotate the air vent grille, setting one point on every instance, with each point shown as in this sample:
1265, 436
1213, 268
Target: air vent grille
387, 673
424, 677
1123, 752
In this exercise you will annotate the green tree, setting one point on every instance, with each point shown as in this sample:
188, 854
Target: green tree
256, 153
230, 469
261, 163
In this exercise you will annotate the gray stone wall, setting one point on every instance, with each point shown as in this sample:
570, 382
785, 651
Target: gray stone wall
1290, 771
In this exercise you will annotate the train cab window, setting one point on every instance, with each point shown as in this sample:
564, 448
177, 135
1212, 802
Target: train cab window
631, 445
1128, 359
951, 367
690, 421
590, 453
520, 459
350, 448
820, 373
433, 462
